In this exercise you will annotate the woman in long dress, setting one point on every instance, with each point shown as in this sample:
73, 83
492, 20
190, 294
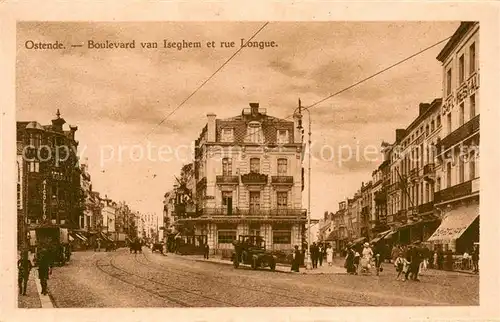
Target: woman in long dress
329, 255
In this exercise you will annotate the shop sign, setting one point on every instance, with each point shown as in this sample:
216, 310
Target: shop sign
465, 90
44, 198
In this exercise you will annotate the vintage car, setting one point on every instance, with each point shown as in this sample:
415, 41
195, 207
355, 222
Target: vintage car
251, 250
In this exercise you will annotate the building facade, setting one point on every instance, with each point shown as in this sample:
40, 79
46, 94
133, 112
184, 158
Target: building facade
48, 176
457, 194
248, 172
412, 171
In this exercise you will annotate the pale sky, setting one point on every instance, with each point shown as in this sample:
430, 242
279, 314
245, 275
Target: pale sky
116, 97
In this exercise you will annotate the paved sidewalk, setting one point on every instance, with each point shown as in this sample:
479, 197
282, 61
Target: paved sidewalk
34, 298
325, 269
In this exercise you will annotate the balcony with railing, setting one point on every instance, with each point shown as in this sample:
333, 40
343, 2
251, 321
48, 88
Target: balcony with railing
253, 212
393, 187
460, 134
253, 178
400, 216
456, 191
426, 207
227, 179
282, 180
413, 174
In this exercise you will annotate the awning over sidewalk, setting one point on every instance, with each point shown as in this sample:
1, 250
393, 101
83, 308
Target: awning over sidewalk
358, 240
389, 235
380, 236
81, 237
455, 223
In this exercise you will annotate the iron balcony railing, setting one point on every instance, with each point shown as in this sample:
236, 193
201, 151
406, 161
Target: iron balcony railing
426, 207
254, 178
429, 169
456, 191
227, 179
282, 180
253, 212
460, 134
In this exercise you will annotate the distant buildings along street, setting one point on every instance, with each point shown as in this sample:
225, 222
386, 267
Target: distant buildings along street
427, 187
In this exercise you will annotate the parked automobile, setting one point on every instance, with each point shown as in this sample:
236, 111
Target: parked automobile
251, 250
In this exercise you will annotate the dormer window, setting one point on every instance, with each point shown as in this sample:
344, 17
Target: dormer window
254, 133
282, 136
227, 135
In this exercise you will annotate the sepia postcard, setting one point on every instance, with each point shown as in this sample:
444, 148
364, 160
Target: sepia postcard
313, 162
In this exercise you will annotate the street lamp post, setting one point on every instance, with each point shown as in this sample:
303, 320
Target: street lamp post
308, 250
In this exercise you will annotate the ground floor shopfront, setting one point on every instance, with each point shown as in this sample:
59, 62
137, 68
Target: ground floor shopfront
278, 235
459, 228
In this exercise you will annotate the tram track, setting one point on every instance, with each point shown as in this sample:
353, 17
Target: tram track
269, 290
125, 276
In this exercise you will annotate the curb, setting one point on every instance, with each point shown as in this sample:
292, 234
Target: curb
231, 264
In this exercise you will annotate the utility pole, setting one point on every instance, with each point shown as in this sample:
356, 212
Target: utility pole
308, 252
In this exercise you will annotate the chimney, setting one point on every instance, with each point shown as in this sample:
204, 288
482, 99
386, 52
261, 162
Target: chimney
211, 127
400, 134
254, 108
422, 107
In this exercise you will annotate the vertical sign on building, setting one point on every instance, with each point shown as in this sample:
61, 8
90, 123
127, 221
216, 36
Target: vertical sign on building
44, 199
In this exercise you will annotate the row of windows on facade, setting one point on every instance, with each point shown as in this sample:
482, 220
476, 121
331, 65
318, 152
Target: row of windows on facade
461, 68
407, 166
254, 135
254, 200
429, 129
278, 236
417, 195
35, 139
227, 166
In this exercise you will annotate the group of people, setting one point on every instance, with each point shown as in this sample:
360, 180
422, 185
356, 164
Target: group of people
320, 252
362, 260
43, 260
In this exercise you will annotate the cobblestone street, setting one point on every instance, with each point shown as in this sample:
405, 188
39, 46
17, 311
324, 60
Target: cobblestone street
121, 279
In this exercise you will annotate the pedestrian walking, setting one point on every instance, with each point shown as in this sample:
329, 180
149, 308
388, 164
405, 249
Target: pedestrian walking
24, 267
313, 251
321, 254
296, 259
400, 263
45, 263
378, 251
475, 259
329, 255
367, 254
206, 251
416, 260
350, 264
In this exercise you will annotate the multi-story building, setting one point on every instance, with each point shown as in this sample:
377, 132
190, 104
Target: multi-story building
411, 204
366, 209
108, 225
248, 172
86, 187
380, 179
457, 191
49, 176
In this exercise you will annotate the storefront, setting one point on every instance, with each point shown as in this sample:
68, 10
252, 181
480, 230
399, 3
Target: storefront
459, 229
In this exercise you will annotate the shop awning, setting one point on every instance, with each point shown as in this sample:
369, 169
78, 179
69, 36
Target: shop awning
70, 238
331, 236
389, 235
380, 236
455, 223
358, 240
80, 237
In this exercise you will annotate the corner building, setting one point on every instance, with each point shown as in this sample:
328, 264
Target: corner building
249, 180
457, 193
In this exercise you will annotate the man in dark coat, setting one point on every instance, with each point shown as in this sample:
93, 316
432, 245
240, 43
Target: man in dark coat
206, 251
378, 253
24, 267
313, 252
416, 260
45, 263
